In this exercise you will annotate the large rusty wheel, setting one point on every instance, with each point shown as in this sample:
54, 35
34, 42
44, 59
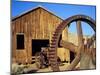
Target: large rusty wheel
56, 36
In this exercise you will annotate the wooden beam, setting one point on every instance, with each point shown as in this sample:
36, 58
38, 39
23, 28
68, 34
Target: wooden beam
68, 45
79, 32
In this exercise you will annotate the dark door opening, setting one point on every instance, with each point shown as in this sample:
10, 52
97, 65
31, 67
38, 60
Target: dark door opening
38, 44
72, 56
59, 41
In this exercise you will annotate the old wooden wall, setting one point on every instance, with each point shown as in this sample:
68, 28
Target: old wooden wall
36, 24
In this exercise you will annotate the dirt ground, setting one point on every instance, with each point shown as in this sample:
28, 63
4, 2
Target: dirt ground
62, 68
32, 68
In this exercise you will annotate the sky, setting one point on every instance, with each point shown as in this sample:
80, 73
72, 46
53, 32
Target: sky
62, 10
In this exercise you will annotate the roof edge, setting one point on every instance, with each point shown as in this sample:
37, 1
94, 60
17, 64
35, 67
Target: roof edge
30, 10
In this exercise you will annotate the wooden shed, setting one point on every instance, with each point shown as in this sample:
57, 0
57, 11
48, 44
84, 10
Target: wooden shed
32, 30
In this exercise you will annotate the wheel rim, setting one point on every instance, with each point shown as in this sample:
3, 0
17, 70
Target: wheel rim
56, 36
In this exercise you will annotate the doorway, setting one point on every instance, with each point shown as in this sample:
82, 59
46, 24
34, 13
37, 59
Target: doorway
37, 44
72, 56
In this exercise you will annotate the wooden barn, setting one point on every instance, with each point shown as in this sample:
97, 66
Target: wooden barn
33, 30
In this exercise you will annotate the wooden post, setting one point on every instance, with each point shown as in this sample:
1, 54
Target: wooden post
80, 42
79, 32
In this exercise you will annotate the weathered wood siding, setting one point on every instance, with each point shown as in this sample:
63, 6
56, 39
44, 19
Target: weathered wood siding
37, 24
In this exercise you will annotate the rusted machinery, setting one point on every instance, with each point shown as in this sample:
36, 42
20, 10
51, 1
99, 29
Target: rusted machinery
81, 47
41, 59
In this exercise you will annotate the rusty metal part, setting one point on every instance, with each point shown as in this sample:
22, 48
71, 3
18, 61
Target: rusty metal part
56, 36
80, 43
